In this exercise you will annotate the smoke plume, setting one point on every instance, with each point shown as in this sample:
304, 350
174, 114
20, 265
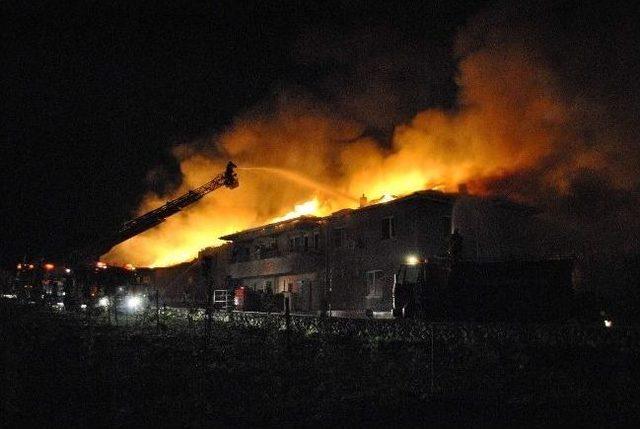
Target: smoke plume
533, 121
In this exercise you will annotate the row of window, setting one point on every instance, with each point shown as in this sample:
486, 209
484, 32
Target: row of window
311, 241
388, 229
305, 242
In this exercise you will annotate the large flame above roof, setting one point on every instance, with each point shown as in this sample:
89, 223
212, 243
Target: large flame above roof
510, 119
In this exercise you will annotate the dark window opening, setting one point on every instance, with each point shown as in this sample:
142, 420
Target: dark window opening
266, 249
446, 226
388, 228
338, 237
240, 254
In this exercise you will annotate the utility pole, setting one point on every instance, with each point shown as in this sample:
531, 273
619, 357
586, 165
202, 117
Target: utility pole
287, 320
157, 310
432, 360
209, 311
327, 271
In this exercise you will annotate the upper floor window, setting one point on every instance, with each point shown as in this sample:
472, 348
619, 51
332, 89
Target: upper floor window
299, 243
388, 228
445, 223
240, 254
266, 248
337, 237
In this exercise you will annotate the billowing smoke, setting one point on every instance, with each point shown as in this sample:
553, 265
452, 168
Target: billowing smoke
532, 121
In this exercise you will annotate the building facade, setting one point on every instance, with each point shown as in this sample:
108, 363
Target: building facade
347, 261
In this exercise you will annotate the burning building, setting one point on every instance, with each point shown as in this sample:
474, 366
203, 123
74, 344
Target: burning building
346, 261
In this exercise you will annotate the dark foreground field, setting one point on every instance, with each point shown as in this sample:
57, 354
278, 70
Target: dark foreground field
66, 369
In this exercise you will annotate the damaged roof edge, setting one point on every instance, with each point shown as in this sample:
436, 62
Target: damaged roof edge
272, 228
438, 197
435, 196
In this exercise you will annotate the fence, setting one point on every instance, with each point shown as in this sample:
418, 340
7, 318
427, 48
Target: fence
180, 367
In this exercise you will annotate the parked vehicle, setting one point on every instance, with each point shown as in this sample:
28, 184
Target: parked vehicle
492, 291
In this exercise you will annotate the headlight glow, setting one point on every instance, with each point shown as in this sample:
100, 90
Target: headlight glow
133, 302
412, 260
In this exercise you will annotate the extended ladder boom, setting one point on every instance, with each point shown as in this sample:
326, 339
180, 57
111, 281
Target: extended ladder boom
155, 217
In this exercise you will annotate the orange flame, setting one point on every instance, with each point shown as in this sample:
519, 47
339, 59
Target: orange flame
311, 207
510, 117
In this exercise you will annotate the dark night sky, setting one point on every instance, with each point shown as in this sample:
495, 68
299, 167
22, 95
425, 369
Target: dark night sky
98, 93
95, 95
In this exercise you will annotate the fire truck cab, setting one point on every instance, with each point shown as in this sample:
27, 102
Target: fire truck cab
488, 291
419, 289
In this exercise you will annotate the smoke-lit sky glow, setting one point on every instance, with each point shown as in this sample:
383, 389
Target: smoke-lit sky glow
536, 101
512, 115
509, 117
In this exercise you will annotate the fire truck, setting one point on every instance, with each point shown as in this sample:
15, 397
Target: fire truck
440, 290
41, 283
85, 282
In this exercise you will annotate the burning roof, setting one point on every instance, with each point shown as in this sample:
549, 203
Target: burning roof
523, 125
301, 222
304, 222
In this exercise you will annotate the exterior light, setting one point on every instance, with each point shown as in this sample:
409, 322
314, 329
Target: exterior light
129, 267
49, 267
133, 302
101, 265
31, 266
608, 323
83, 306
67, 270
412, 260
19, 266
103, 302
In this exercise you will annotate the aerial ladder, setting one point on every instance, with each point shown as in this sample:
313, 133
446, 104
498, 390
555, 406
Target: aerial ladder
145, 222
84, 261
